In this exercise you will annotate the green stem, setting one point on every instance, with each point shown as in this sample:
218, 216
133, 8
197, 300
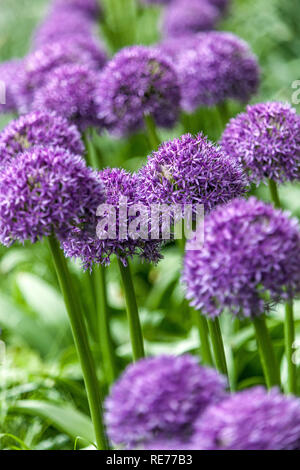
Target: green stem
152, 134
105, 340
289, 333
266, 350
204, 338
135, 329
93, 158
274, 194
218, 346
81, 341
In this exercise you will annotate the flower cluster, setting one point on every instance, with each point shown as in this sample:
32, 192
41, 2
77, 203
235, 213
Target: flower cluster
213, 67
159, 398
83, 242
253, 419
191, 170
70, 93
266, 140
43, 191
138, 81
251, 253
40, 128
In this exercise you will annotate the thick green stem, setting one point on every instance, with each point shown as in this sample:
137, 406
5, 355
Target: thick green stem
152, 134
274, 194
266, 351
93, 157
81, 341
105, 340
218, 346
135, 329
201, 323
289, 334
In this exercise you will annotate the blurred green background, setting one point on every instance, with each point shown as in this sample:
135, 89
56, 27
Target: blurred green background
40, 380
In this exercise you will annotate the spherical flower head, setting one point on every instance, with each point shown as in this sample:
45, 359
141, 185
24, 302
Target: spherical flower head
38, 128
191, 170
160, 398
138, 81
186, 17
220, 67
40, 64
9, 77
45, 191
70, 93
62, 24
266, 140
253, 419
91, 8
91, 247
251, 253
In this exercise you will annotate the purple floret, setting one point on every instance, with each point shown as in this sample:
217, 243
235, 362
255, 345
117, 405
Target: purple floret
191, 170
187, 17
38, 128
160, 398
83, 242
250, 260
253, 419
266, 140
45, 191
70, 93
136, 82
221, 66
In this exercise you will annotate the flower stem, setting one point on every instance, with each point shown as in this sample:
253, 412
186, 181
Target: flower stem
289, 325
289, 333
218, 346
152, 134
135, 329
204, 338
266, 350
81, 341
105, 340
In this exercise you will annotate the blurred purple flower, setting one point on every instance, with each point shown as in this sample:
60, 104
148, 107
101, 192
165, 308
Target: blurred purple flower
266, 140
251, 253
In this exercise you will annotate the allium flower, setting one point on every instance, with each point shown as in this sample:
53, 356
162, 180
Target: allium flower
220, 67
43, 191
38, 128
84, 243
186, 17
251, 252
10, 75
40, 64
87, 7
137, 81
191, 170
70, 93
160, 397
266, 139
61, 25
253, 419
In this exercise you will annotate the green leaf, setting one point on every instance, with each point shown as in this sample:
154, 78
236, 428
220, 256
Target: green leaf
65, 418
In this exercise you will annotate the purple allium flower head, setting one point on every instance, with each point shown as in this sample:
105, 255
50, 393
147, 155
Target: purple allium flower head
70, 93
43, 191
220, 67
138, 81
253, 419
91, 8
251, 251
191, 170
40, 128
266, 139
62, 24
10, 72
186, 17
84, 243
159, 398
